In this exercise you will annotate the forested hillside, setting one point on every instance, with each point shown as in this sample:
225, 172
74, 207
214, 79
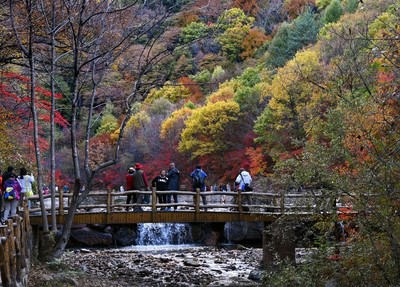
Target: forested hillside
302, 93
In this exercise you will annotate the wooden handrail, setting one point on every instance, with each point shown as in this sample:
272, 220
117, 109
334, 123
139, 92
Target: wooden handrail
273, 202
15, 238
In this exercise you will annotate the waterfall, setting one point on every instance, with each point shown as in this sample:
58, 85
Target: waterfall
164, 234
227, 232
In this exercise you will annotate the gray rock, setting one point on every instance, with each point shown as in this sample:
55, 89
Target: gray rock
125, 236
190, 262
256, 275
46, 277
91, 237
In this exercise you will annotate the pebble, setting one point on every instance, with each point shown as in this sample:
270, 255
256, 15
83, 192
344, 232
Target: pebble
203, 266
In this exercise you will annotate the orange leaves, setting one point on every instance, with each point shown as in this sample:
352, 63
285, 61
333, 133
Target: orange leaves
252, 41
258, 160
196, 94
248, 6
100, 149
295, 7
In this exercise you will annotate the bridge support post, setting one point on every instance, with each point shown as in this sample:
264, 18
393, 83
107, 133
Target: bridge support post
61, 202
278, 241
109, 202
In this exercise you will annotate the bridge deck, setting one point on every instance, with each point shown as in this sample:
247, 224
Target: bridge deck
105, 207
168, 216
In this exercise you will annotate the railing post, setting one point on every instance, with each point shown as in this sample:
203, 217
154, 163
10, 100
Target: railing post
24, 243
108, 201
5, 255
282, 202
18, 259
239, 201
197, 201
60, 202
153, 201
12, 253
112, 200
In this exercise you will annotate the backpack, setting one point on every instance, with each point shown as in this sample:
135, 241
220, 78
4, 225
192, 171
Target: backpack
10, 192
198, 180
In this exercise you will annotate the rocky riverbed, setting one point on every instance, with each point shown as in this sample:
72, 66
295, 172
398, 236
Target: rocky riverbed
163, 266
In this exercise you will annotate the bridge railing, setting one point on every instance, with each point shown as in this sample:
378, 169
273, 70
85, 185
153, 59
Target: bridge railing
15, 250
234, 201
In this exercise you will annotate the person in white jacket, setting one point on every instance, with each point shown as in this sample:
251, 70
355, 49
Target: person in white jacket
243, 182
25, 181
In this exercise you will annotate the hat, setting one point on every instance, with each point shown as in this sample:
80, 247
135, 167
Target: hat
132, 168
241, 169
138, 166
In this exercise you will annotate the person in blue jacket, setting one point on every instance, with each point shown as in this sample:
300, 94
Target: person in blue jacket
198, 182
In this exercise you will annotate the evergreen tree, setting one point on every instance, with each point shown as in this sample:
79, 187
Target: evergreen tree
333, 12
292, 37
351, 5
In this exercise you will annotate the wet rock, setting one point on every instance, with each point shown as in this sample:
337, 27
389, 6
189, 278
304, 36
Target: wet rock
125, 236
256, 275
212, 238
144, 273
239, 231
66, 279
190, 262
164, 259
46, 278
91, 237
198, 233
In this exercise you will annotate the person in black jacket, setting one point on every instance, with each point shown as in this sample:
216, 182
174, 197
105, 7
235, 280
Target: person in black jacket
160, 182
173, 182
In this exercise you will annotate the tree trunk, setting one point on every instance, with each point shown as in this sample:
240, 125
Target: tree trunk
52, 127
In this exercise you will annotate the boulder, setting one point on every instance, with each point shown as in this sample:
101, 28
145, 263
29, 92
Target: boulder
125, 236
90, 237
212, 238
242, 231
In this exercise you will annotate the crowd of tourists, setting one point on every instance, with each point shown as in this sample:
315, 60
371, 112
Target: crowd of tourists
13, 190
169, 180
15, 187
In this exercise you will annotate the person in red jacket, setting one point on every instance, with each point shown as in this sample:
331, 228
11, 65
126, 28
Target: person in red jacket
130, 186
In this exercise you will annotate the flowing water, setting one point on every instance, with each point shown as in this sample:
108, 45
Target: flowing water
164, 234
164, 255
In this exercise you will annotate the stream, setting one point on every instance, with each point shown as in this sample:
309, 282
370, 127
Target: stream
165, 256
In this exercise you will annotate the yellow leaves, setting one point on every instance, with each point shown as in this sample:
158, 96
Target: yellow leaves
207, 127
171, 124
138, 120
174, 93
386, 20
294, 82
224, 93
7, 145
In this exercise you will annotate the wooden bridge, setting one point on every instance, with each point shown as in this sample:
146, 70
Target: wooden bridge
108, 207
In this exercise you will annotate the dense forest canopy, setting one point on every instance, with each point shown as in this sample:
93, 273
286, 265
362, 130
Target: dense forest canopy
302, 93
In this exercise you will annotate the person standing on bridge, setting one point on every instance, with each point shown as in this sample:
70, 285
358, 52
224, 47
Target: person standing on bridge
243, 181
174, 178
130, 186
140, 183
6, 175
13, 189
160, 182
25, 181
198, 182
